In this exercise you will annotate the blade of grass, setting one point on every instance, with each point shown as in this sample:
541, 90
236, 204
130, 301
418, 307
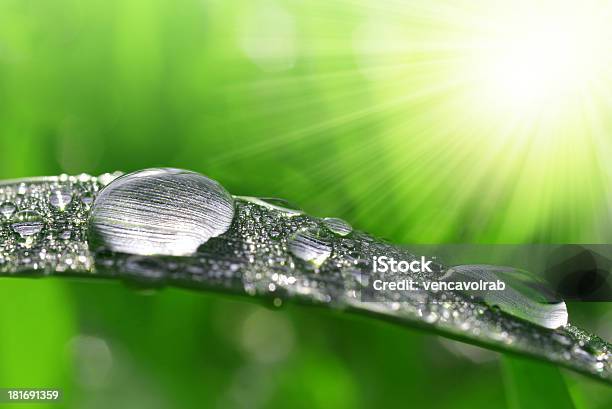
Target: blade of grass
532, 384
254, 258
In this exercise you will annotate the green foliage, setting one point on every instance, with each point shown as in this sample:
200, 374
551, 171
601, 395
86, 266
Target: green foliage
532, 384
108, 85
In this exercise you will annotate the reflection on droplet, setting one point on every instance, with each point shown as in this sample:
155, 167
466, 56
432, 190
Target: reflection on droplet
275, 204
60, 198
338, 226
280, 203
7, 209
27, 223
268, 37
92, 360
160, 212
524, 296
307, 246
87, 199
106, 178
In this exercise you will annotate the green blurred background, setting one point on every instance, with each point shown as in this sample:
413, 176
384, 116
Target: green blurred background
351, 109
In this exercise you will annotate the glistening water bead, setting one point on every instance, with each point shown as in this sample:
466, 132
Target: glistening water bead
274, 204
27, 223
524, 296
60, 198
159, 212
338, 226
307, 246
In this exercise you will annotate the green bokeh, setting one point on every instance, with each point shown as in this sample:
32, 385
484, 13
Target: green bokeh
99, 86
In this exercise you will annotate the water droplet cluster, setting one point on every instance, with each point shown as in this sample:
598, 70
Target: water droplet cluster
269, 251
276, 254
43, 224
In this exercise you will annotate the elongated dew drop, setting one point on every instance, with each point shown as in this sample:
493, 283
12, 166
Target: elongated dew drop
524, 295
274, 204
160, 212
308, 247
338, 226
27, 223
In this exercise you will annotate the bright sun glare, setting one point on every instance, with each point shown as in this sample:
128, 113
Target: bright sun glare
544, 59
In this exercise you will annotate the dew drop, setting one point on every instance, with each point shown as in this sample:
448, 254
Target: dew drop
275, 204
282, 203
338, 226
525, 295
307, 246
27, 223
7, 209
60, 198
106, 178
160, 212
87, 199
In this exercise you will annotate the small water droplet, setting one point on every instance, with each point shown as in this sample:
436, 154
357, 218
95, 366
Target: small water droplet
7, 209
307, 246
106, 178
27, 223
87, 199
525, 295
160, 212
60, 198
338, 226
84, 177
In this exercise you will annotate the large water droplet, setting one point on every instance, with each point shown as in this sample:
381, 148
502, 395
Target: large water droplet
60, 198
524, 296
27, 223
160, 212
307, 246
7, 209
338, 226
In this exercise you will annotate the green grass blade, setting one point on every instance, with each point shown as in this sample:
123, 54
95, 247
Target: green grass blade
532, 384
